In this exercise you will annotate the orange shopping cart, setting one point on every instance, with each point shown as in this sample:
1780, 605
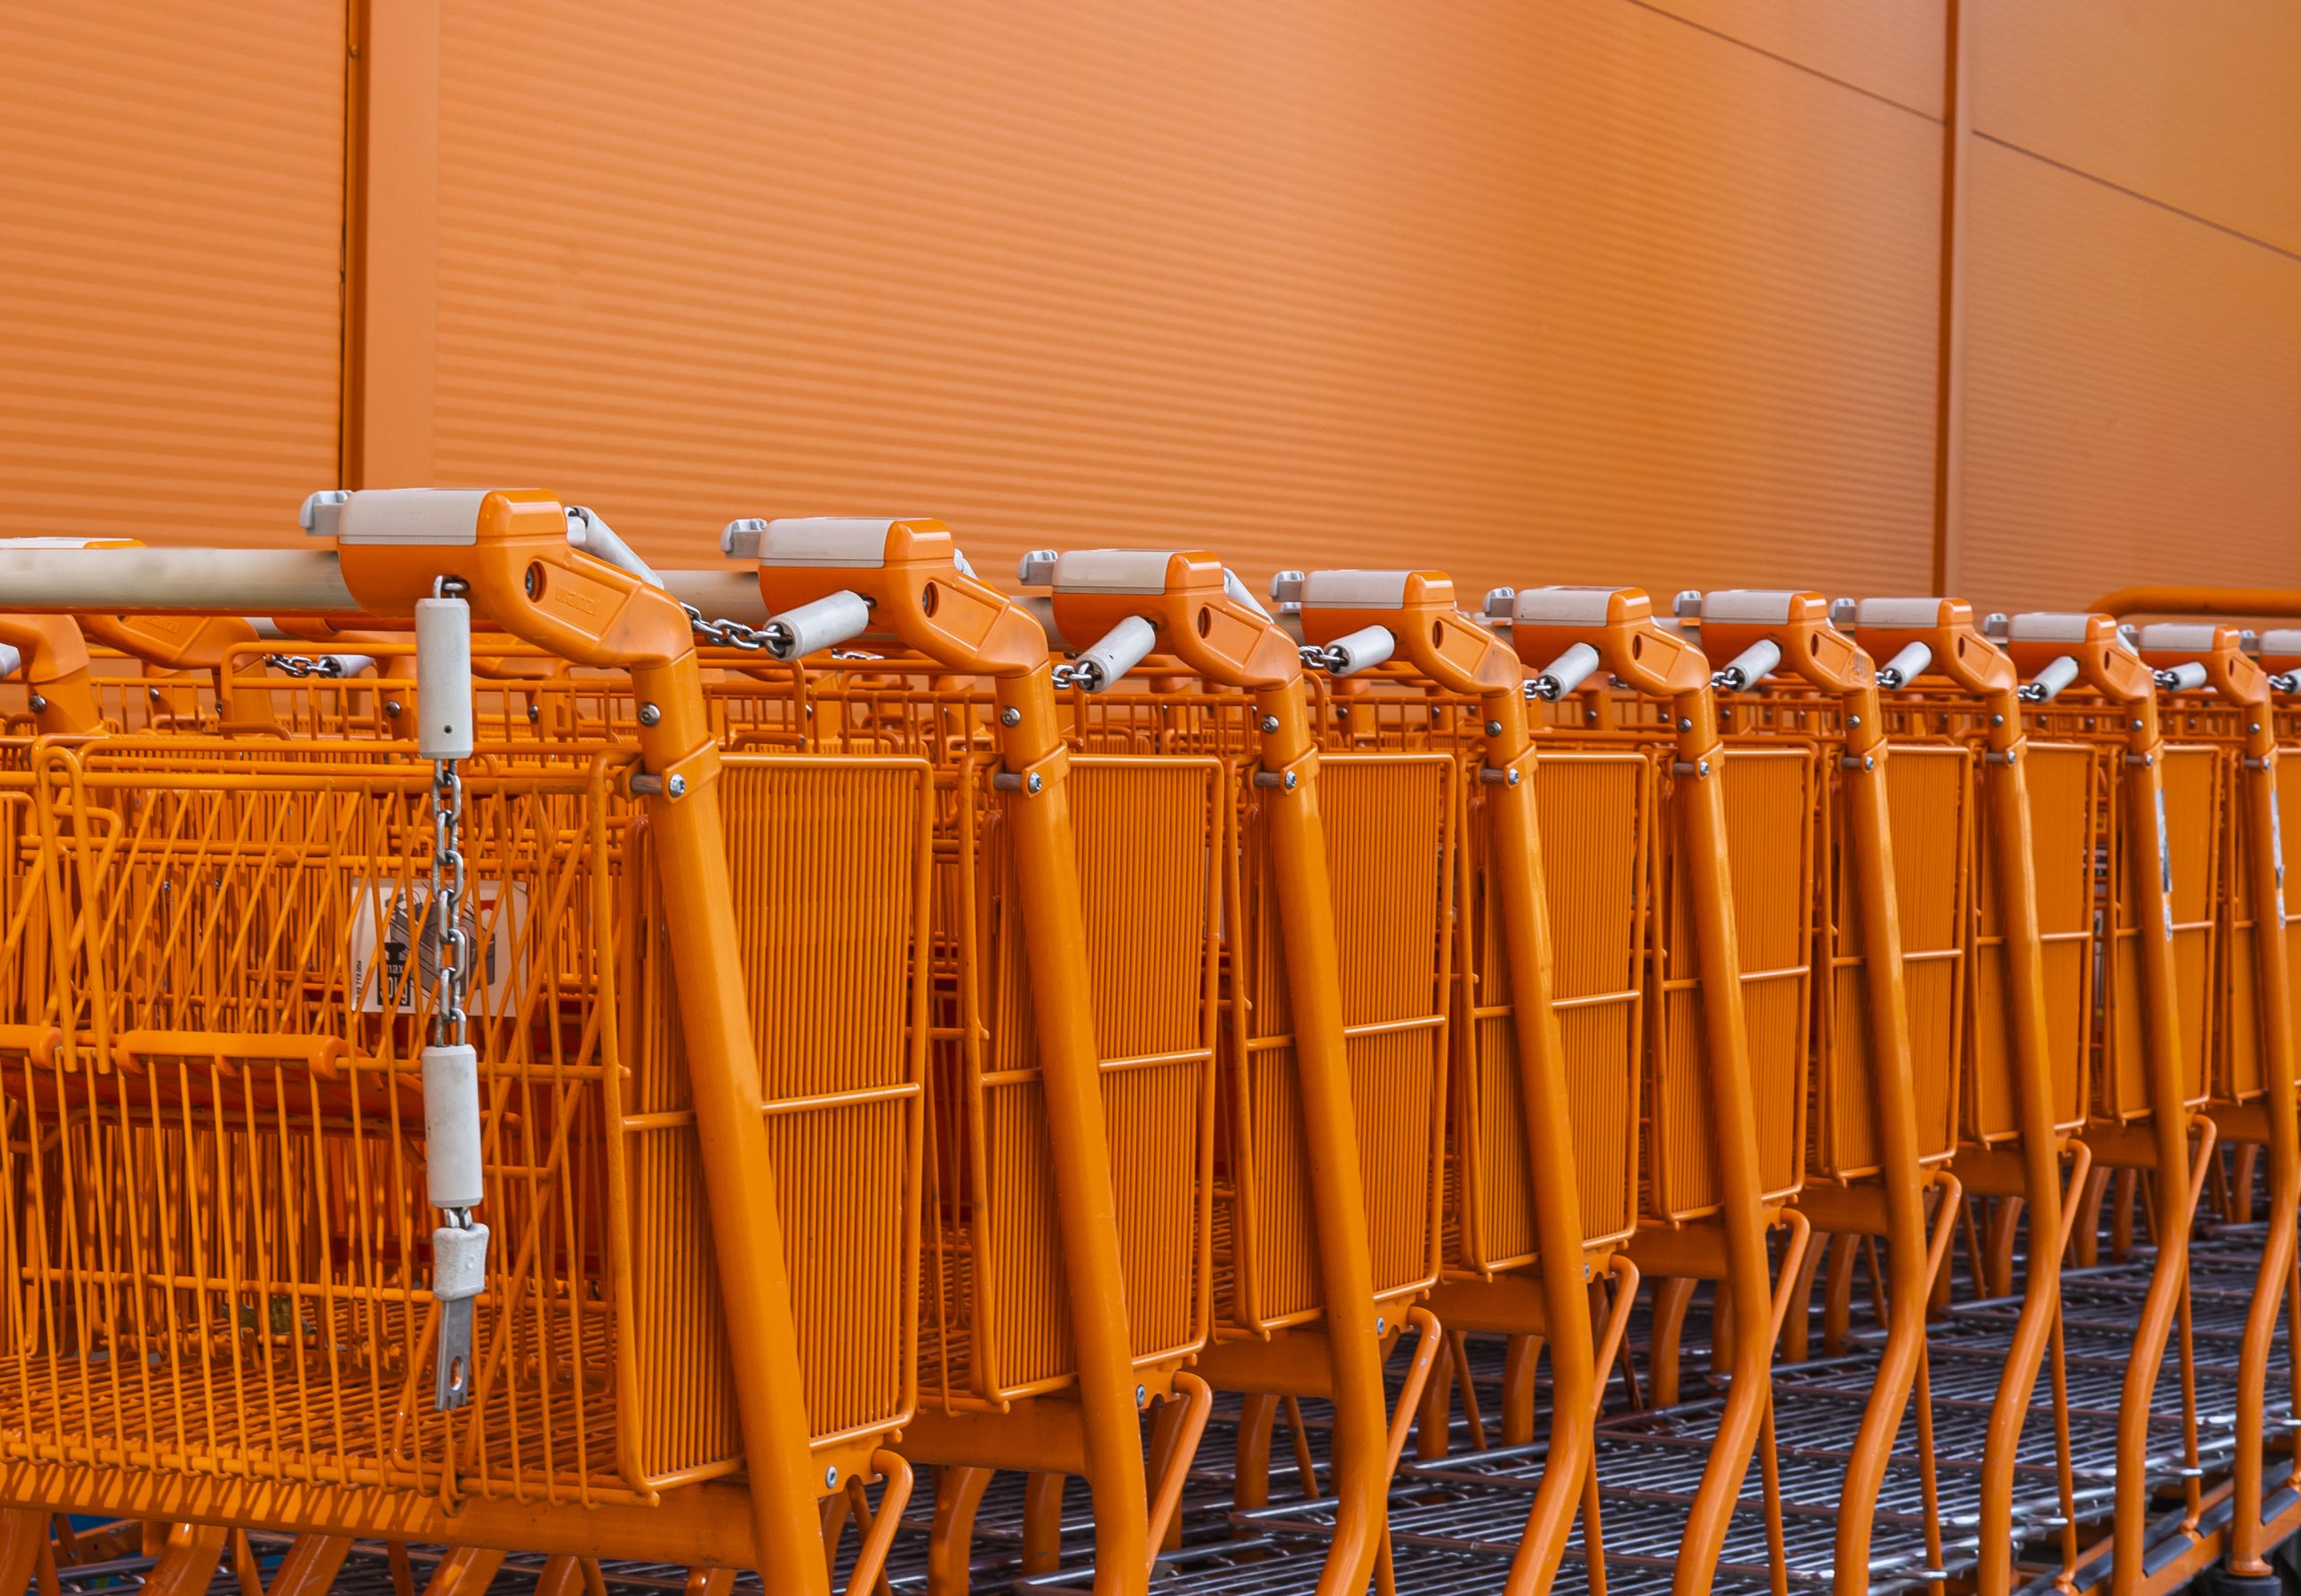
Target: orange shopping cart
224, 1160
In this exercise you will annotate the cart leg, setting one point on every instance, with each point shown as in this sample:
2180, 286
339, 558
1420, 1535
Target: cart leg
958, 1493
23, 1536
1671, 1298
1433, 1423
1250, 1466
311, 1565
188, 1561
1042, 1521
466, 1571
1519, 1364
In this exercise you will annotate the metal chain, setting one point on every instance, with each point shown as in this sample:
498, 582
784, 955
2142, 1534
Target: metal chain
307, 665
732, 634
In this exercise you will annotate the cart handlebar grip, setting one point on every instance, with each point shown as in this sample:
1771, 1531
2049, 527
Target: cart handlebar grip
1752, 666
1562, 675
2049, 683
1121, 650
1906, 666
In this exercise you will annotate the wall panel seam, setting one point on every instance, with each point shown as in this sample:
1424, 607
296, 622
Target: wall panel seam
1789, 61
2007, 144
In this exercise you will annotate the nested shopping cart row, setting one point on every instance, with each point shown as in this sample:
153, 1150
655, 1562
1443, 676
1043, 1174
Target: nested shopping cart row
1129, 1033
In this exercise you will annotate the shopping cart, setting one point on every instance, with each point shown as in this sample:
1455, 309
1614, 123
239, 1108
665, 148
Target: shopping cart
2158, 900
216, 1099
1728, 1012
1887, 1019
1543, 1140
2027, 1015
2219, 695
1069, 1257
1327, 1220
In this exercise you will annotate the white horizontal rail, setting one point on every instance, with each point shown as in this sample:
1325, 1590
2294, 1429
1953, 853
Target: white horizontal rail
199, 581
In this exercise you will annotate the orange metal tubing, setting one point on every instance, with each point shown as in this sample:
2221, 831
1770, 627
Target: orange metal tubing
1234, 643
2240, 682
919, 596
1962, 655
1620, 625
2122, 678
1798, 625
1462, 657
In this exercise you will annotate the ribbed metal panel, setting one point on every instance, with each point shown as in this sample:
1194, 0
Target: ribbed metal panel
1896, 52
1548, 293
2198, 107
170, 266
2131, 394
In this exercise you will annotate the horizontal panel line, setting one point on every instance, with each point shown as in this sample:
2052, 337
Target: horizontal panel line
2007, 144
1795, 65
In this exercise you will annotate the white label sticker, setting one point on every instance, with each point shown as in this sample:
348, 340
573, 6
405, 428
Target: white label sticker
392, 926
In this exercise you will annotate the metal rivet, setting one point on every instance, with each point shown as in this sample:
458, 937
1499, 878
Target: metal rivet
1684, 724
1997, 720
1010, 716
1702, 769
1290, 781
831, 1477
1035, 782
2136, 725
676, 786
391, 707
2254, 727
1381, 1325
1854, 720
1494, 728
649, 715
1342, 709
1512, 778
1869, 762
154, 695
1142, 1395
534, 711
39, 704
1268, 723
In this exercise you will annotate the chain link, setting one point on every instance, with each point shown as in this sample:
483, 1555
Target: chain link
732, 634
448, 1017
301, 666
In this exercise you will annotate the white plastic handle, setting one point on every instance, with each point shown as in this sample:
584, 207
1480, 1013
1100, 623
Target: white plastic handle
1752, 666
2047, 684
1905, 667
443, 695
823, 624
1120, 649
1361, 649
1568, 671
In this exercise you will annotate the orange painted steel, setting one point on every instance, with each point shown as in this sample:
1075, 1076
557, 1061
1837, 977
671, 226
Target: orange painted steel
1711, 1097
2026, 1084
606, 1407
2150, 1073
2230, 703
1332, 1224
1868, 1095
1516, 1128
1029, 1136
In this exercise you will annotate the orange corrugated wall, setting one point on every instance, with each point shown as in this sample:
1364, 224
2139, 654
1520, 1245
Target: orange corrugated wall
171, 190
1589, 291
1582, 292
2132, 330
